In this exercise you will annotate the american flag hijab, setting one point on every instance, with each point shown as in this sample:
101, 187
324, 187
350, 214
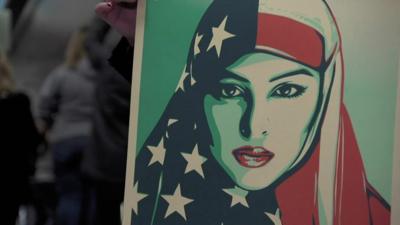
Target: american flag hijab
177, 180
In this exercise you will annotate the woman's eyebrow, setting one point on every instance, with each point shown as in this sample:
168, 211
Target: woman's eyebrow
292, 73
235, 76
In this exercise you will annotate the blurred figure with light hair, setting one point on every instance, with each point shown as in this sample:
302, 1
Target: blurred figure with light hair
65, 110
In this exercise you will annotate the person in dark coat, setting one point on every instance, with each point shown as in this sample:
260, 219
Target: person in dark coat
104, 161
19, 139
105, 158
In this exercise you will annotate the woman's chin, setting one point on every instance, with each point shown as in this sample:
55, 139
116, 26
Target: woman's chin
252, 184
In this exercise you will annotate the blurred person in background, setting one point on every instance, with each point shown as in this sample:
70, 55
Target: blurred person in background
65, 109
19, 140
104, 160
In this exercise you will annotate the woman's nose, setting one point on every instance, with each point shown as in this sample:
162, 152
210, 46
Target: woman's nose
255, 121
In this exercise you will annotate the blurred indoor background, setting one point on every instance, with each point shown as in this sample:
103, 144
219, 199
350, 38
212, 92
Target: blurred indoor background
34, 35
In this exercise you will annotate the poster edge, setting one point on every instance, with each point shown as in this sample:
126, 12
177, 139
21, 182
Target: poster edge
395, 208
134, 110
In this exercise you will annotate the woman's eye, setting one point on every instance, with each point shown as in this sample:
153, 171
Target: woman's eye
230, 91
288, 91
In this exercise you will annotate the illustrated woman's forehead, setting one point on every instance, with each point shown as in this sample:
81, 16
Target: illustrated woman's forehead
269, 66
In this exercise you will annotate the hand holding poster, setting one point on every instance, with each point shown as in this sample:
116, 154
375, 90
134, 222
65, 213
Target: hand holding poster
259, 128
120, 14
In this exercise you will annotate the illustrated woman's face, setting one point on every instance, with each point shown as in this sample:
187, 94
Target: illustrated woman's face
259, 115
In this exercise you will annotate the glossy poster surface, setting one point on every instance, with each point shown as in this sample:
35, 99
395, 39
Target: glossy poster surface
264, 112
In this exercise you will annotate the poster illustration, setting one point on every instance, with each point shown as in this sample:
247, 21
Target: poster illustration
264, 112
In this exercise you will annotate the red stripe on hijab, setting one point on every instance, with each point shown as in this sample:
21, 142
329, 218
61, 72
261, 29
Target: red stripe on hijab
294, 38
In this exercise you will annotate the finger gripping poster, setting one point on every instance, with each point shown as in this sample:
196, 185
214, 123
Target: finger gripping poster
264, 112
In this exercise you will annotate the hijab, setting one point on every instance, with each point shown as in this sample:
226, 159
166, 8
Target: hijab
327, 185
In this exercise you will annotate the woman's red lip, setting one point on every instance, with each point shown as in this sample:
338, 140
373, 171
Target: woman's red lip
252, 156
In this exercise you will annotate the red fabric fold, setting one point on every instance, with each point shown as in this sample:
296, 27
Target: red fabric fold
356, 202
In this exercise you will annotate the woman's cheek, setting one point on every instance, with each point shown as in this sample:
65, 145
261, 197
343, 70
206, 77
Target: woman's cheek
289, 122
227, 119
223, 118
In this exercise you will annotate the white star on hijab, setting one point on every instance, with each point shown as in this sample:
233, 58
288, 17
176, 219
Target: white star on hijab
137, 197
219, 36
238, 196
276, 218
197, 40
192, 81
172, 121
158, 153
176, 203
181, 84
194, 161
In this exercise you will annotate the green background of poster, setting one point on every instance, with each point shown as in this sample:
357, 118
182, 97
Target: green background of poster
370, 32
